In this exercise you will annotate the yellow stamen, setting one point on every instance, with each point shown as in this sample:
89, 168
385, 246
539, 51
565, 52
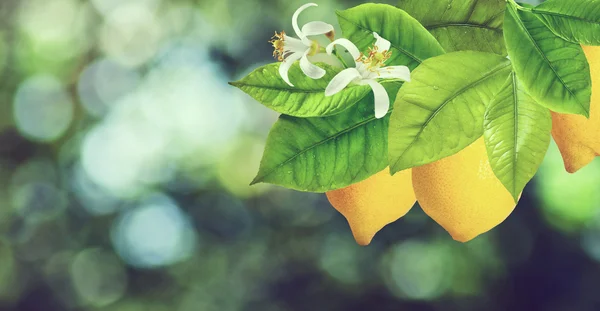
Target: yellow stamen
278, 43
375, 59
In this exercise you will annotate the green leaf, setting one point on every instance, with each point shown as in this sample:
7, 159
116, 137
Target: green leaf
461, 25
573, 20
517, 135
306, 98
440, 111
410, 42
322, 154
553, 71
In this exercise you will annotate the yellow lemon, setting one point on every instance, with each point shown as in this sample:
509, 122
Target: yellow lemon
578, 138
373, 203
462, 194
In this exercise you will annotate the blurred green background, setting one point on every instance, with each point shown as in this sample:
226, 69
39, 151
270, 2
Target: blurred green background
125, 160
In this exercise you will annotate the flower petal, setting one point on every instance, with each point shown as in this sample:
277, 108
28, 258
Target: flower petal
327, 59
293, 45
341, 80
347, 44
285, 66
382, 100
295, 21
312, 71
394, 72
316, 28
381, 43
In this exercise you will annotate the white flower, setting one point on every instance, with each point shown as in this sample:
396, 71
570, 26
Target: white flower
288, 49
368, 69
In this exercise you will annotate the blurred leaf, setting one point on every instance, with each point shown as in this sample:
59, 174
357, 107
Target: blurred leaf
553, 71
306, 98
322, 154
461, 25
441, 110
410, 42
557, 188
573, 20
517, 135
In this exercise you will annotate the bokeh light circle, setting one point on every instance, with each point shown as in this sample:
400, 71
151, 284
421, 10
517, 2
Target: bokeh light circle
105, 7
340, 258
4, 52
155, 233
570, 201
9, 281
95, 199
35, 194
417, 270
43, 111
39, 201
99, 276
130, 34
104, 82
116, 155
56, 29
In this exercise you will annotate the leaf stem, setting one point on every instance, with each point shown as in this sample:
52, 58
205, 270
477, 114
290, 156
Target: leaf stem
335, 52
518, 6
393, 80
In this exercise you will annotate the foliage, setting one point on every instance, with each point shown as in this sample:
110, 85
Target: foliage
451, 100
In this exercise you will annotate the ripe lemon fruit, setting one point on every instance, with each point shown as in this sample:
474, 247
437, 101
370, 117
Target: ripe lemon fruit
374, 202
462, 194
578, 138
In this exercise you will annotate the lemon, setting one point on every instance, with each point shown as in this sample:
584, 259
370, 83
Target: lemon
462, 194
373, 203
578, 138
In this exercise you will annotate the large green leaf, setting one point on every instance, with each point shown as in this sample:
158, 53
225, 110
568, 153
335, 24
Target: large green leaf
461, 25
517, 135
440, 111
322, 154
410, 42
306, 98
574, 20
554, 71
